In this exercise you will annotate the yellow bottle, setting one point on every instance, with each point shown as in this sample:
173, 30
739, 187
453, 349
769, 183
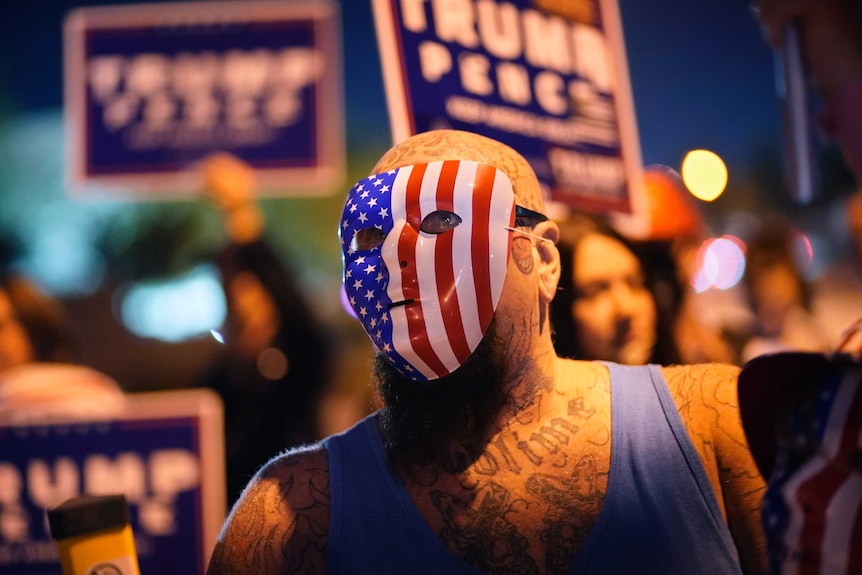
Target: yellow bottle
94, 536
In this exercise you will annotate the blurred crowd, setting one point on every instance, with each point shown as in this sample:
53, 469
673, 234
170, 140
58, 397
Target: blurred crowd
635, 300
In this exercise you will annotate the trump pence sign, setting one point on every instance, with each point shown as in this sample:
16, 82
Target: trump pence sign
547, 77
151, 89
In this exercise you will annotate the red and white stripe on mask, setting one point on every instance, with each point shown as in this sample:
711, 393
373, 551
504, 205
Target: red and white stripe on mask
426, 249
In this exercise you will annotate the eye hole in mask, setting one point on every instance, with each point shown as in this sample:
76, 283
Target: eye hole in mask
435, 223
440, 221
367, 239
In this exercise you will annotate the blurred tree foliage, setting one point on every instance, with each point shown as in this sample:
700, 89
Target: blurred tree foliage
150, 241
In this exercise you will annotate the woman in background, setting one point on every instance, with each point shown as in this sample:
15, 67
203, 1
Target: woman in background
33, 326
274, 366
605, 308
38, 374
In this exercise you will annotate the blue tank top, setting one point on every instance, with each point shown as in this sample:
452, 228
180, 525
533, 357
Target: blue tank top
659, 515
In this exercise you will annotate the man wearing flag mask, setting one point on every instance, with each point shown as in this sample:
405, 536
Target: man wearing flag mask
491, 454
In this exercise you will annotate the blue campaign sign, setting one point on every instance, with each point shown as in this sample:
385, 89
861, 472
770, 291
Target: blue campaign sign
547, 77
153, 88
164, 452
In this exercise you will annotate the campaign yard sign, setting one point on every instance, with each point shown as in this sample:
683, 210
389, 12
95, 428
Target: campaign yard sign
151, 89
547, 77
164, 451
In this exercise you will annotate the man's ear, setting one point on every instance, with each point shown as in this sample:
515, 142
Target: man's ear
549, 260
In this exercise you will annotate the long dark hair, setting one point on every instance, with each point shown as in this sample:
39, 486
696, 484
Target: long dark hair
566, 341
43, 318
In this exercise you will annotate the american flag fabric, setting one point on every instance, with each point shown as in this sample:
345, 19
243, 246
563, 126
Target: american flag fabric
426, 299
812, 509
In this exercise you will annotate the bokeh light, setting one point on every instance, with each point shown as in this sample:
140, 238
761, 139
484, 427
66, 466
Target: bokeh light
720, 264
181, 309
802, 251
704, 174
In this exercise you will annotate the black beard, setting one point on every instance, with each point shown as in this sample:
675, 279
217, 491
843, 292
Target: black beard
444, 421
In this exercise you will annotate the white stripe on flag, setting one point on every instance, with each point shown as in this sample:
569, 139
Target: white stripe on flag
840, 520
502, 201
390, 246
461, 256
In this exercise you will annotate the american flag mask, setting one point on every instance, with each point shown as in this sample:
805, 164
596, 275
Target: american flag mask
425, 250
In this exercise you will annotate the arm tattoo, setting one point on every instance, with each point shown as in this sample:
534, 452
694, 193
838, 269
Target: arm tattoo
281, 523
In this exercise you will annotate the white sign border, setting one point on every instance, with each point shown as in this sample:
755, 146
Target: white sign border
322, 179
203, 404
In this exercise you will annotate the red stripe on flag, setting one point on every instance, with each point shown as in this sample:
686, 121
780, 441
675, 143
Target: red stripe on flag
482, 187
409, 277
815, 494
444, 267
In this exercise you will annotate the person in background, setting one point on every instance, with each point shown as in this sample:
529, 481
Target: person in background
605, 307
801, 412
779, 295
33, 326
490, 453
275, 361
702, 325
832, 49
838, 289
39, 373
831, 37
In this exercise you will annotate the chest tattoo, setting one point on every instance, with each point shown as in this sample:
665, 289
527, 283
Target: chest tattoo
530, 499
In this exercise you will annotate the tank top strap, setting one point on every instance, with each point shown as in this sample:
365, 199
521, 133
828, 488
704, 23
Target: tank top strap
659, 503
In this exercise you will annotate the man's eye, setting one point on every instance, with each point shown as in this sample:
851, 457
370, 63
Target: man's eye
439, 222
367, 239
